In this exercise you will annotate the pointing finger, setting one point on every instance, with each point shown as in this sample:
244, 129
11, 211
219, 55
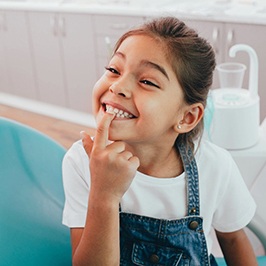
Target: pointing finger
102, 132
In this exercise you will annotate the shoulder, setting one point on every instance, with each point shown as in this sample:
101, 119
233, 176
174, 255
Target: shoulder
76, 154
216, 165
76, 182
212, 152
75, 163
76, 149
225, 199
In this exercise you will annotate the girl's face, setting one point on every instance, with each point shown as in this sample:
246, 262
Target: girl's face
140, 85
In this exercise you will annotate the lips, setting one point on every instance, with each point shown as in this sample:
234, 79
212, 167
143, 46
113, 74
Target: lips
118, 111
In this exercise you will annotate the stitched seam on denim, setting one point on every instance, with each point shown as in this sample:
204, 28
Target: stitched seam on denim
191, 170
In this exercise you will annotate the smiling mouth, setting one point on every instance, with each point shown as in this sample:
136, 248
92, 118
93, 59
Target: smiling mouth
118, 112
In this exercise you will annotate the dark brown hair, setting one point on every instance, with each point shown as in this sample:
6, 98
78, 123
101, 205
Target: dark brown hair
192, 59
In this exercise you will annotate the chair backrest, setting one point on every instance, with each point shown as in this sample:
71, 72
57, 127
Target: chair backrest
31, 198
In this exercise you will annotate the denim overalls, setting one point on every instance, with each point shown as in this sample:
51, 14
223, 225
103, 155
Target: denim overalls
149, 241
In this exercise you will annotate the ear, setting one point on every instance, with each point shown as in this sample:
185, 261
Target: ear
192, 116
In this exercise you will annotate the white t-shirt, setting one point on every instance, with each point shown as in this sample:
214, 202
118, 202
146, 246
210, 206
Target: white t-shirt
225, 202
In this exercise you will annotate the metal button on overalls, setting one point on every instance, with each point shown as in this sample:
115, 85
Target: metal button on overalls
193, 225
154, 258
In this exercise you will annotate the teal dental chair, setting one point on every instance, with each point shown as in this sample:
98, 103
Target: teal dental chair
31, 199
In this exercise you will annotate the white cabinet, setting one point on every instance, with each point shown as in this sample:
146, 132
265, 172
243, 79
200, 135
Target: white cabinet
224, 35
16, 68
48, 57
108, 28
64, 58
79, 60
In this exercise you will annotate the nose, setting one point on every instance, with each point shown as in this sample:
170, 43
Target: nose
121, 88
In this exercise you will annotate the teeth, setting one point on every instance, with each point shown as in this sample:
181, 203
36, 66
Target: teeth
109, 109
119, 113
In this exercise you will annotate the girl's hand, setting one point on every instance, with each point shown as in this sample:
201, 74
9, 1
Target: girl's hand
112, 167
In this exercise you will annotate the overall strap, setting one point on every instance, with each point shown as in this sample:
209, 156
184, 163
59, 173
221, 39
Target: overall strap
192, 179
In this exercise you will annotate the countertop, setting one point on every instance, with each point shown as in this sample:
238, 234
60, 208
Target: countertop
245, 11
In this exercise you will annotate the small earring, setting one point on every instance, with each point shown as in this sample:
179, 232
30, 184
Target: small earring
179, 124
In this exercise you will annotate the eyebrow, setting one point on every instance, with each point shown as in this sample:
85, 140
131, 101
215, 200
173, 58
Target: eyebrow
147, 63
155, 66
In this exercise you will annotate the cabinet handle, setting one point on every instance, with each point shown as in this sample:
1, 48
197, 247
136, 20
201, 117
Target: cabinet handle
53, 24
62, 26
3, 23
215, 38
230, 37
108, 45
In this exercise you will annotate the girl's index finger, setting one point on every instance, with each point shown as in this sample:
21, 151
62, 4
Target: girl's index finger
102, 131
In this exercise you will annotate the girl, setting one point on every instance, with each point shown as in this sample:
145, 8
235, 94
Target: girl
146, 190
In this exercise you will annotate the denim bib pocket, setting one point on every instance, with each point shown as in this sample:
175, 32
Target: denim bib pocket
150, 254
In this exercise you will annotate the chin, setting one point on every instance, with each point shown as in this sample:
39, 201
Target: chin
115, 137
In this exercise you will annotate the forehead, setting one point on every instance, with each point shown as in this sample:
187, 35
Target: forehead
144, 47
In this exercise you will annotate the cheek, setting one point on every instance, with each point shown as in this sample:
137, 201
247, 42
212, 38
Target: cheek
155, 106
151, 113
163, 110
97, 93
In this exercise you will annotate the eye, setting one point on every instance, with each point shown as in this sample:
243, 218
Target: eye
149, 83
112, 70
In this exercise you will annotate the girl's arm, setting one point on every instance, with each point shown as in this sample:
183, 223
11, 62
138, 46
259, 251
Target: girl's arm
112, 169
236, 248
98, 242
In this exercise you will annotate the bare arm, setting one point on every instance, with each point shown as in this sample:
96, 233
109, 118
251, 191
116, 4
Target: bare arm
112, 170
236, 248
98, 242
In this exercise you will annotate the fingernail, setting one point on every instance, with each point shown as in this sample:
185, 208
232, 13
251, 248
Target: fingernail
82, 134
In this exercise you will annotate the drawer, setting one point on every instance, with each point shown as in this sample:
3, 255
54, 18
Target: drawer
115, 25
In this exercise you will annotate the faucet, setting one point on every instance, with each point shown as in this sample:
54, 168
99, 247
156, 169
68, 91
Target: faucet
254, 66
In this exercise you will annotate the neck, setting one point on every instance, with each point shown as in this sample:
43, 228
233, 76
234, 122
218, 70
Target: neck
158, 161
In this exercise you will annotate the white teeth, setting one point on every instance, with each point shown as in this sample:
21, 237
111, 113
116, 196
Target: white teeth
109, 109
119, 113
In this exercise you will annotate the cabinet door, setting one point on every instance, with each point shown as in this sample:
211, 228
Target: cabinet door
108, 29
48, 57
17, 55
254, 36
213, 32
79, 59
